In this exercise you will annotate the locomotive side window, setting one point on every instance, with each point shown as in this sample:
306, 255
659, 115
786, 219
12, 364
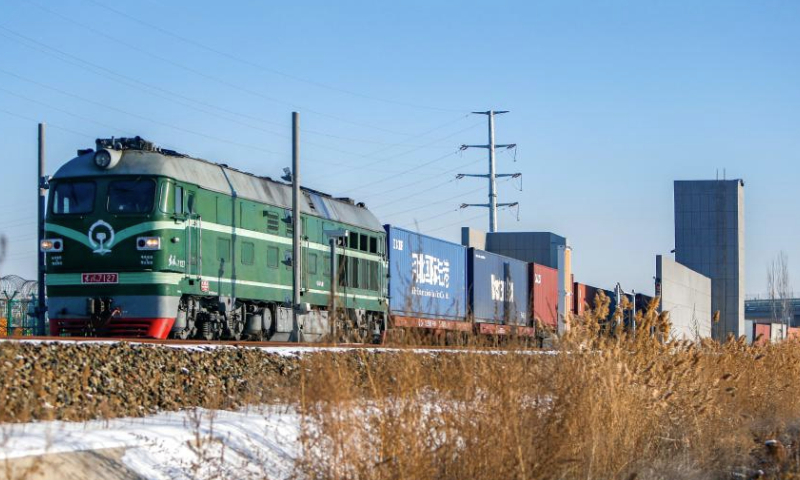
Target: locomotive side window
190, 202
353, 272
353, 241
131, 196
73, 198
363, 275
178, 199
373, 245
363, 243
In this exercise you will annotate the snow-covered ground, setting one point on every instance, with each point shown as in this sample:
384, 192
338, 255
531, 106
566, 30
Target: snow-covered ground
259, 442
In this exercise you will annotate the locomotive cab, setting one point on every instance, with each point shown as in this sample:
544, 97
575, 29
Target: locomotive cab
105, 236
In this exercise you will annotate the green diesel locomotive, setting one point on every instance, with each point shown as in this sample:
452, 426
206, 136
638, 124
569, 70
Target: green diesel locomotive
144, 241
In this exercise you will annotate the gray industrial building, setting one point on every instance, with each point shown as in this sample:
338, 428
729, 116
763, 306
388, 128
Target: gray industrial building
536, 247
686, 295
709, 239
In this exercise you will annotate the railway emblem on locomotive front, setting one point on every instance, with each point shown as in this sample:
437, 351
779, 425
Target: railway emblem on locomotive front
101, 237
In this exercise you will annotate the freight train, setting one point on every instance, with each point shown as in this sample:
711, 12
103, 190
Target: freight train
147, 242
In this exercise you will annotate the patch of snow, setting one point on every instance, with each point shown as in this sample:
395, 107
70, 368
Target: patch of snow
254, 443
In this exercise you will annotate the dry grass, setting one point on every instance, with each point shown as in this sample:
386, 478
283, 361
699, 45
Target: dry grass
605, 405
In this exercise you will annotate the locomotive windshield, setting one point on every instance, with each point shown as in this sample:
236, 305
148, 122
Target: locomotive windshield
73, 198
131, 196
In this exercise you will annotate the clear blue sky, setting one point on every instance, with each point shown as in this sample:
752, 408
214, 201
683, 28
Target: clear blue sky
610, 102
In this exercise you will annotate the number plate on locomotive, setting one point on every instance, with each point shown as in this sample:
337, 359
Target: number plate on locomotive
99, 278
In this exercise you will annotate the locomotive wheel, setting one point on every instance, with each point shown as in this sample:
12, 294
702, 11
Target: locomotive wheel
266, 322
235, 333
208, 335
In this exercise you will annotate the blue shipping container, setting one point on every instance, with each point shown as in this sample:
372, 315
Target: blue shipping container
427, 276
498, 288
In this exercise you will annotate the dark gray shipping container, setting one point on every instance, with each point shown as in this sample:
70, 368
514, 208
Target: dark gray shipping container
498, 288
427, 276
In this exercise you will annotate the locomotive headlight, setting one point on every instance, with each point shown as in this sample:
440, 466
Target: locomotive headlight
52, 245
107, 158
148, 243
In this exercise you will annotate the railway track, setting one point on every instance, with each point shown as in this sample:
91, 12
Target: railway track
240, 343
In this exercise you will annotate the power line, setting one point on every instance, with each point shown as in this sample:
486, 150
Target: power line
200, 73
130, 82
394, 175
81, 134
141, 117
438, 201
417, 222
416, 182
463, 220
138, 84
86, 119
64, 111
415, 167
168, 95
392, 157
92, 121
264, 68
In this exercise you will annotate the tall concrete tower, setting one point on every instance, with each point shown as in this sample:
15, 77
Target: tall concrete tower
709, 239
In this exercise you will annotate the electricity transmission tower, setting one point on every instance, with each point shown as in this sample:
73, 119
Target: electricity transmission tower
492, 175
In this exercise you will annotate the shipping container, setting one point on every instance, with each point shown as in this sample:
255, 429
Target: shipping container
794, 332
584, 297
777, 332
427, 277
761, 333
498, 288
545, 294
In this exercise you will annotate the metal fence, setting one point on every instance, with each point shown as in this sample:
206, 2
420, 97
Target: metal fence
17, 303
